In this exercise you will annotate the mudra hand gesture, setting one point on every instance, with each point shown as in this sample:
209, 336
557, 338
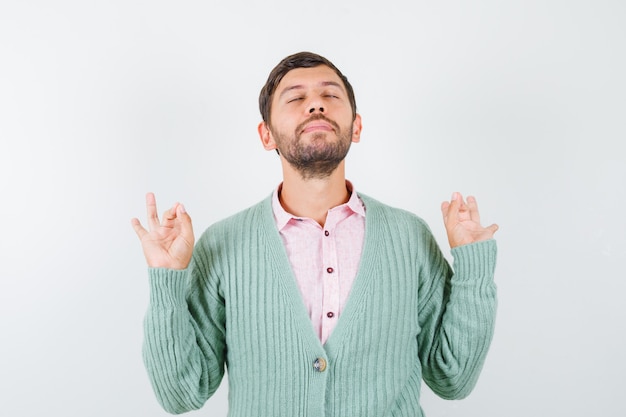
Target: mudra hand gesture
167, 243
462, 221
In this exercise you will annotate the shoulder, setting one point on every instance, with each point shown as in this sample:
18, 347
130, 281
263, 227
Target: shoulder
402, 230
380, 212
242, 223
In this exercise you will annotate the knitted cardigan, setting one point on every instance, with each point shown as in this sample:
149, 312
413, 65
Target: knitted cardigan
408, 318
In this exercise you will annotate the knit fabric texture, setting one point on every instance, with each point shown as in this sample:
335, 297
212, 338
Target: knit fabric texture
409, 317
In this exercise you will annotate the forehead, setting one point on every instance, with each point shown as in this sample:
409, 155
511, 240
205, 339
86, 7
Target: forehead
309, 77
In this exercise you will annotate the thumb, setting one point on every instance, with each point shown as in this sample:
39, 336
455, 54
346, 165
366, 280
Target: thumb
181, 213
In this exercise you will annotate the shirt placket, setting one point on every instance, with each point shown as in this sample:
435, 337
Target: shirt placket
331, 296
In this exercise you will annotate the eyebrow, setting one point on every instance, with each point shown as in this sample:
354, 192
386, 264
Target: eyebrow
300, 86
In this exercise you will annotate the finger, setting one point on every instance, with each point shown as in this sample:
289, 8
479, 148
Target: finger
141, 232
185, 220
169, 216
493, 228
151, 208
182, 213
472, 205
454, 207
445, 206
462, 206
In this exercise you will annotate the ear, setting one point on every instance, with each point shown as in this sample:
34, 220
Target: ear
266, 137
357, 127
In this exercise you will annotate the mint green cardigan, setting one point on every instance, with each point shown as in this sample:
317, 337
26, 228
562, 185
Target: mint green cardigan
408, 318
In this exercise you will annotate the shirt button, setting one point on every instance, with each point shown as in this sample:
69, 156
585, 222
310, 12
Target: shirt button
329, 270
319, 364
330, 314
326, 232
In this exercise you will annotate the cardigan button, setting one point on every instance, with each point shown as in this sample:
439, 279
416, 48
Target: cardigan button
319, 364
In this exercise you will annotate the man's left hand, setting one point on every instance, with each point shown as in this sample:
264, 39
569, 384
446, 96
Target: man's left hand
462, 221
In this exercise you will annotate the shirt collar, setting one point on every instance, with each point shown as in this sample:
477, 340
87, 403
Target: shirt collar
283, 217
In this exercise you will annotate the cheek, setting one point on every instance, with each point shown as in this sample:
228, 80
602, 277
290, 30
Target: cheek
285, 125
282, 118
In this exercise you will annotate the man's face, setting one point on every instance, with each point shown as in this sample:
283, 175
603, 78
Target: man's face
311, 121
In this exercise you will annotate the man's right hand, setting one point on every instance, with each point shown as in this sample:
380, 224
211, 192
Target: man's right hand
168, 243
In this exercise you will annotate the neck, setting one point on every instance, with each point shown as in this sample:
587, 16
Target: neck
313, 197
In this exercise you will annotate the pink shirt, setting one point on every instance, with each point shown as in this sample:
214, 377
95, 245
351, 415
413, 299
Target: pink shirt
324, 260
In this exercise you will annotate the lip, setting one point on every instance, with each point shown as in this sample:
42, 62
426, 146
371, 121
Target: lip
316, 126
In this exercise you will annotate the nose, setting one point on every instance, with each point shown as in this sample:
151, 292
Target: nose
312, 110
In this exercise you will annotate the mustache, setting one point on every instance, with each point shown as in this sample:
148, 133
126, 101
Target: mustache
318, 116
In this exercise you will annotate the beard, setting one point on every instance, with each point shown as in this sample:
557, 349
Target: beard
318, 158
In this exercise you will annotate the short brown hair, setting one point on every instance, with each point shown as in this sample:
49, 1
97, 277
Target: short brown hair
298, 60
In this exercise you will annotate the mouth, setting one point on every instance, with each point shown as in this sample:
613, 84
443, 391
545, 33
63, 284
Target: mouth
318, 123
317, 126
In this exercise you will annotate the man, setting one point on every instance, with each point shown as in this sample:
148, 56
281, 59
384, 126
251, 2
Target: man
320, 301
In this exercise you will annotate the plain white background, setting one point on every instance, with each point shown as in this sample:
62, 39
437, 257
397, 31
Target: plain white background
521, 103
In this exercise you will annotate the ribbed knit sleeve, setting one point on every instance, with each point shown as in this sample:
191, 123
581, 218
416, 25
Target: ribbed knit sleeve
457, 317
184, 340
